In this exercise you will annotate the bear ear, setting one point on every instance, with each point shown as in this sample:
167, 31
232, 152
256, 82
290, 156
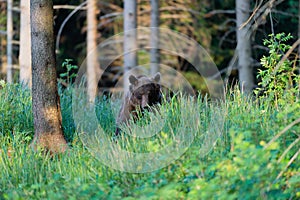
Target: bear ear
131, 88
156, 77
133, 80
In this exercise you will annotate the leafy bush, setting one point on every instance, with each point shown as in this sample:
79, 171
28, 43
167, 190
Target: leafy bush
279, 80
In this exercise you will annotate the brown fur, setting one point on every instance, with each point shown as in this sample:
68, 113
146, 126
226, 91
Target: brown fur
143, 93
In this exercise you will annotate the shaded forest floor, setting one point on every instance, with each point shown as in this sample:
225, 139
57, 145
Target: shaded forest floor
241, 163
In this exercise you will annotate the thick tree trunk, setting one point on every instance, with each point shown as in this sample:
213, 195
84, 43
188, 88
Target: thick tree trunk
46, 108
130, 37
244, 47
25, 44
9, 31
154, 52
92, 58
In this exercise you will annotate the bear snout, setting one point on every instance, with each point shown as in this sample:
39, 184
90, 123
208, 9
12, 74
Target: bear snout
145, 101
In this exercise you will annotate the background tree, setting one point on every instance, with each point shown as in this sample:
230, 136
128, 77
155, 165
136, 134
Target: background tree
299, 28
130, 37
246, 78
92, 58
45, 99
3, 58
9, 33
211, 23
25, 43
154, 52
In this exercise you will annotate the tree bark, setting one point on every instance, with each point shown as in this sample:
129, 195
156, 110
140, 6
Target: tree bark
3, 58
9, 31
154, 51
25, 44
130, 38
246, 78
45, 100
299, 28
92, 57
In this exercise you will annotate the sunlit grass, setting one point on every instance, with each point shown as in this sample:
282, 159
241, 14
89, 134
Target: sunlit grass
237, 126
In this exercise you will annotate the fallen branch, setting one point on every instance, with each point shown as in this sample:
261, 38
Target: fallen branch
70, 7
288, 149
289, 163
64, 23
216, 12
262, 11
282, 132
286, 55
253, 14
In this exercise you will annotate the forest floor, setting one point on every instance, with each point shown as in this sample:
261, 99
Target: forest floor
223, 151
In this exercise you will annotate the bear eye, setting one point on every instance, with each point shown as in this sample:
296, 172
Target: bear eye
139, 96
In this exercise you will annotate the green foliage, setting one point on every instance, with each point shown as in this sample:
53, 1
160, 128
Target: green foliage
65, 93
66, 111
196, 81
279, 80
239, 166
280, 86
105, 115
248, 172
69, 75
15, 109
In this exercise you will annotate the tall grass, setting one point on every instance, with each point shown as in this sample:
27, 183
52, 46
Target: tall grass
236, 166
15, 110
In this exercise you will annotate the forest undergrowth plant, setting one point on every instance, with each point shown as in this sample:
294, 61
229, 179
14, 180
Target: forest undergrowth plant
65, 89
280, 86
241, 166
241, 163
67, 77
15, 109
279, 78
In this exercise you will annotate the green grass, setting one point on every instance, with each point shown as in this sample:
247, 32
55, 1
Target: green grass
237, 167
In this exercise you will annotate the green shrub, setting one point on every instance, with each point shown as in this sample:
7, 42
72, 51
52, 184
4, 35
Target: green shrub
279, 80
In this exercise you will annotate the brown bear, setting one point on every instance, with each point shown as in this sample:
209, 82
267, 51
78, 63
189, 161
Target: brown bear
143, 93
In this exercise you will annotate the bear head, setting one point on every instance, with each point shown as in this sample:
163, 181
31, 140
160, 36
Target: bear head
144, 91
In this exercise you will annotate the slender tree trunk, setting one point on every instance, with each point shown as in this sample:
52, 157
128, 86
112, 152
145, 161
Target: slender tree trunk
25, 44
130, 37
299, 37
299, 27
154, 52
9, 31
45, 100
244, 47
3, 57
92, 57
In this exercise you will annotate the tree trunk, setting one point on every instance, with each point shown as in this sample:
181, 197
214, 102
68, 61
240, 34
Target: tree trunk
299, 28
92, 58
3, 57
9, 31
130, 38
154, 51
25, 44
45, 100
246, 78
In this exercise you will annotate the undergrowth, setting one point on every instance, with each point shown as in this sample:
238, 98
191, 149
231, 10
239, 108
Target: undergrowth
240, 149
238, 166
